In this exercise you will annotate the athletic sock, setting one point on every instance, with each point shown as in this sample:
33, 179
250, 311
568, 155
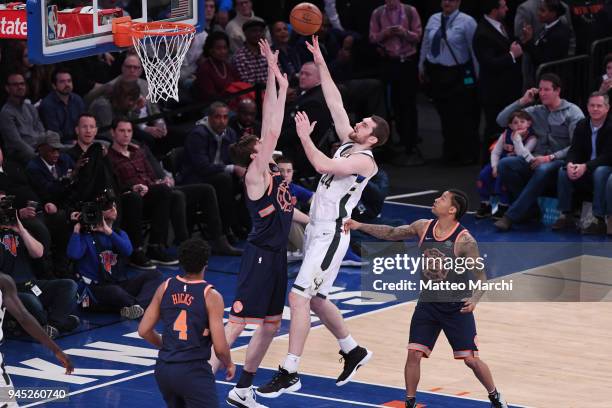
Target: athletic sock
494, 394
246, 379
347, 344
291, 363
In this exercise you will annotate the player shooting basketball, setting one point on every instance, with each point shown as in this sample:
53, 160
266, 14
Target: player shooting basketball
451, 312
343, 179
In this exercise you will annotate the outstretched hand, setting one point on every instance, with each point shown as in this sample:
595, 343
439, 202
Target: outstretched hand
266, 51
315, 50
303, 126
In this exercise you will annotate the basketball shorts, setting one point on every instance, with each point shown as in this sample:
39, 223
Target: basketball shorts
6, 385
459, 328
186, 384
324, 248
262, 286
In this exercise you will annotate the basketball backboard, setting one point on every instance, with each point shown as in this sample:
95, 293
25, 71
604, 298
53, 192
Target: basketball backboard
61, 30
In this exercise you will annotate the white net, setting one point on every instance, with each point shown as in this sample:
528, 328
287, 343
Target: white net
162, 49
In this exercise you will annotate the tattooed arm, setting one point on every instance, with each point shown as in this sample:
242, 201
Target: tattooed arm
467, 248
388, 232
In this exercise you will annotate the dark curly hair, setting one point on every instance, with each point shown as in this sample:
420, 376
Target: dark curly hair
193, 255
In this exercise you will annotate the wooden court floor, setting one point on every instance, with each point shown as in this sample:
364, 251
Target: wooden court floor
541, 354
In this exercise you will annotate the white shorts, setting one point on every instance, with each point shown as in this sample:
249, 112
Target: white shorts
5, 386
324, 248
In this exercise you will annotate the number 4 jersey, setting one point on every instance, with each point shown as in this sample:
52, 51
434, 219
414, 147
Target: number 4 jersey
186, 334
337, 196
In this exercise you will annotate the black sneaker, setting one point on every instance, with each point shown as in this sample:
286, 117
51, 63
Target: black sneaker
352, 361
139, 260
411, 403
283, 381
497, 401
484, 211
501, 211
160, 257
72, 322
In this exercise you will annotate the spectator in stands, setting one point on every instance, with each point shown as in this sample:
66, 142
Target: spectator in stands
131, 71
554, 121
207, 160
499, 58
37, 77
311, 101
50, 173
60, 109
395, 29
134, 174
589, 164
588, 22
302, 198
97, 169
214, 73
101, 256
235, 28
288, 56
609, 205
52, 301
249, 62
20, 125
245, 121
517, 140
553, 42
445, 54
606, 78
527, 16
194, 204
14, 182
124, 100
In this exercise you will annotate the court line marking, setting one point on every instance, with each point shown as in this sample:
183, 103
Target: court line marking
568, 279
418, 193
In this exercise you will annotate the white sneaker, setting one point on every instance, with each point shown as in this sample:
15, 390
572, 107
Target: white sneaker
243, 398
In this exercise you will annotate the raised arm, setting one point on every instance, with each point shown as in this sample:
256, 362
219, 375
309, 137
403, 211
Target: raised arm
273, 109
331, 93
387, 232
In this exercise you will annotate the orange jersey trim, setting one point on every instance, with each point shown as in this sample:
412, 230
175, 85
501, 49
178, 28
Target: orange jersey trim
189, 282
433, 231
267, 211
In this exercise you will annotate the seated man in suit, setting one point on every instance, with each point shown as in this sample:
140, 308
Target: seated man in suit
589, 164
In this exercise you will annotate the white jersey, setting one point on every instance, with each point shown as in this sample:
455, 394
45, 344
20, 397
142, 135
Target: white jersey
336, 196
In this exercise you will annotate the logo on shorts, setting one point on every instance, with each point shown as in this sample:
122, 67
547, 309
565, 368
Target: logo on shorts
317, 283
237, 307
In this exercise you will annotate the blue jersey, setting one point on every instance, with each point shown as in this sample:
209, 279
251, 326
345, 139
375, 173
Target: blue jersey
186, 335
441, 265
271, 215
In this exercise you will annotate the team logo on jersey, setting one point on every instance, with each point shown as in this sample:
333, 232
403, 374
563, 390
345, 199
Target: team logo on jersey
284, 197
11, 243
108, 260
237, 306
433, 268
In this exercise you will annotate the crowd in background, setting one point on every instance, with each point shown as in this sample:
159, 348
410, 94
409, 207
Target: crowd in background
80, 138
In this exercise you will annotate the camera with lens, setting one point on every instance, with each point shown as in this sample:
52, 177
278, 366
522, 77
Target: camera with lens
91, 211
8, 213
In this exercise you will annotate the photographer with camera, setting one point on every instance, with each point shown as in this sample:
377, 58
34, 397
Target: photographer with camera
101, 253
49, 301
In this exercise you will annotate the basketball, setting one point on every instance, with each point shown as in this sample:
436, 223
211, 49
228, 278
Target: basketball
306, 18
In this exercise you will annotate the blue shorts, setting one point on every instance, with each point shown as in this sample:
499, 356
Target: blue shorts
262, 286
459, 328
187, 384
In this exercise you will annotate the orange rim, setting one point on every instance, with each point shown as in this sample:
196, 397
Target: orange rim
157, 28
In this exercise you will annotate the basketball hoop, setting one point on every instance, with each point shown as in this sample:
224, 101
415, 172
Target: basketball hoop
161, 46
